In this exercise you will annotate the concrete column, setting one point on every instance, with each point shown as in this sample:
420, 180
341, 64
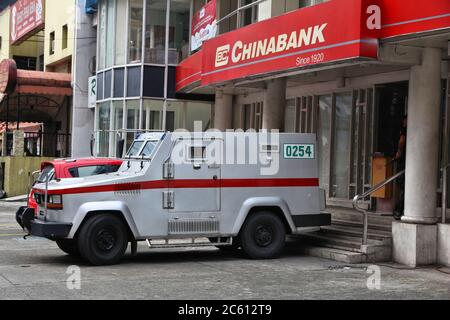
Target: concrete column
223, 111
4, 147
422, 140
274, 104
415, 238
18, 143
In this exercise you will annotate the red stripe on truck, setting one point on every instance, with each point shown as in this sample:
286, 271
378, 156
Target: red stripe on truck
190, 184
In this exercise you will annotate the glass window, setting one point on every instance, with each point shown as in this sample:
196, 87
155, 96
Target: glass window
132, 119
155, 31
135, 148
119, 78
249, 15
81, 172
108, 80
135, 31
304, 3
121, 29
289, 116
134, 82
102, 35
118, 114
148, 149
65, 35
103, 125
152, 114
341, 163
179, 32
110, 33
117, 118
48, 170
323, 136
197, 111
100, 86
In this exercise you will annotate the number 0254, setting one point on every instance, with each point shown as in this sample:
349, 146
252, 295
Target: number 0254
299, 151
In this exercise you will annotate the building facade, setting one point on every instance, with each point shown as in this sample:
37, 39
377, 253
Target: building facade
139, 45
349, 71
37, 44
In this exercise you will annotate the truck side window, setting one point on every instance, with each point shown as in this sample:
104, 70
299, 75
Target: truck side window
197, 153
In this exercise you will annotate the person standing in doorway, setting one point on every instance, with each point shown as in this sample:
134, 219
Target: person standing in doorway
400, 158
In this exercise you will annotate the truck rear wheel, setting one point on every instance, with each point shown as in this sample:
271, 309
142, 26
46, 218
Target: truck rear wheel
103, 240
263, 236
69, 246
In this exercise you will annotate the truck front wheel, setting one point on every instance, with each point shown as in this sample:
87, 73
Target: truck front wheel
103, 240
263, 236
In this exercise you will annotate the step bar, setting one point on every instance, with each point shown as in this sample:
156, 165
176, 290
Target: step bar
188, 243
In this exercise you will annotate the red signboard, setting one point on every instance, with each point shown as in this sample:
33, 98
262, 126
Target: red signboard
204, 25
400, 17
332, 31
26, 16
189, 71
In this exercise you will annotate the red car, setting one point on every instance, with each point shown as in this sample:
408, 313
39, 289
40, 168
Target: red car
68, 168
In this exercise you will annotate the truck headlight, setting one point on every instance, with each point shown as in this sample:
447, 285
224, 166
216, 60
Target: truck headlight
55, 202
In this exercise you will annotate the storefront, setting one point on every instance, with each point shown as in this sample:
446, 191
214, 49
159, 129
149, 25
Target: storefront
349, 71
344, 81
140, 42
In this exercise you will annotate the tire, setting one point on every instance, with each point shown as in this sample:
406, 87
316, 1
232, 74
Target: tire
234, 246
263, 236
103, 240
69, 246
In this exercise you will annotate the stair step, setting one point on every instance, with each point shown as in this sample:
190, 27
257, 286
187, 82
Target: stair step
332, 254
336, 241
379, 235
343, 214
356, 224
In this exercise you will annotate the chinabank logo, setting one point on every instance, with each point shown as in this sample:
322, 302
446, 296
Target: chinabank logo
222, 55
242, 52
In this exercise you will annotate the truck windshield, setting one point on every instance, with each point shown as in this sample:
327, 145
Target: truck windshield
135, 148
148, 149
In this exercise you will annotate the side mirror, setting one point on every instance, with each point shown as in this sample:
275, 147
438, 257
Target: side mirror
119, 148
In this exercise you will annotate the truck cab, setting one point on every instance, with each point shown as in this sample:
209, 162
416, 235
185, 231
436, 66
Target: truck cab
236, 191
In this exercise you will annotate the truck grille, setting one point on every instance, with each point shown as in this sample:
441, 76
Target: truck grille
193, 226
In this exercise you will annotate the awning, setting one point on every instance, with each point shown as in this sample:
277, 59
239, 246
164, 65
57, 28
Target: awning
13, 80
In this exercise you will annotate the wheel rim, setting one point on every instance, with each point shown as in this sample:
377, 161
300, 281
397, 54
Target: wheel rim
263, 236
105, 240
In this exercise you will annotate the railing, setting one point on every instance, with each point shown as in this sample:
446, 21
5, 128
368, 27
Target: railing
360, 197
42, 144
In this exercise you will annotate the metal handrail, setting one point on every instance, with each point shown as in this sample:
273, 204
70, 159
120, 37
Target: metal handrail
359, 197
444, 170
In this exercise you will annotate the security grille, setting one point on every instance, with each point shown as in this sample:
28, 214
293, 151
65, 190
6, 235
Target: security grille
193, 226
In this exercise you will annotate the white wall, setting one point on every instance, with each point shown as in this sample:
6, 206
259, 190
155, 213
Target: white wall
85, 50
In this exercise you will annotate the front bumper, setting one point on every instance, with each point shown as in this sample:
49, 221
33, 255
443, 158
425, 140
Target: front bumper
24, 216
52, 230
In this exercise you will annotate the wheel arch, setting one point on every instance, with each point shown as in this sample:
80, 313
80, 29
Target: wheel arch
273, 204
89, 210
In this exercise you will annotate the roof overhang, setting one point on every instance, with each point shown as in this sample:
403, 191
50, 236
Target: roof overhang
13, 80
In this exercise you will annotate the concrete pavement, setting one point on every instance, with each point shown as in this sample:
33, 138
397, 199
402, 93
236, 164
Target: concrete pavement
36, 269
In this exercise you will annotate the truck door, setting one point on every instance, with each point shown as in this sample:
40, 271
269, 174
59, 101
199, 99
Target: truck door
195, 182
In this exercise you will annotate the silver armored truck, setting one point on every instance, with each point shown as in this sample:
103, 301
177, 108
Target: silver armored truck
235, 191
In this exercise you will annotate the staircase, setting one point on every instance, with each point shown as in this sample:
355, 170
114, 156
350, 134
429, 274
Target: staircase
341, 241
